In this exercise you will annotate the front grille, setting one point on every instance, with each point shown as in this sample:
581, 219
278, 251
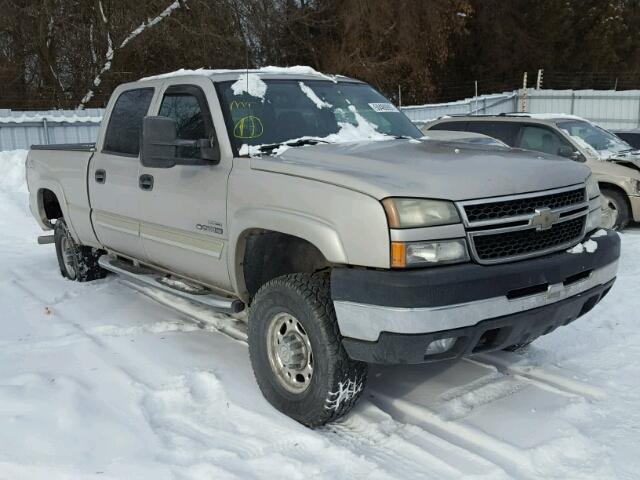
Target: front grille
520, 243
522, 206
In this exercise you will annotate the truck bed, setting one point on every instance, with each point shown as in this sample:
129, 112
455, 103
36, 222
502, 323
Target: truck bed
62, 170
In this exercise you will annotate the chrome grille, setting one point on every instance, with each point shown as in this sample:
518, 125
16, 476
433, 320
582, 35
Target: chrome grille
523, 242
521, 226
523, 206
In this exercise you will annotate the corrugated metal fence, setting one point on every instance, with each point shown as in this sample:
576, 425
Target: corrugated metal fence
608, 108
481, 105
20, 130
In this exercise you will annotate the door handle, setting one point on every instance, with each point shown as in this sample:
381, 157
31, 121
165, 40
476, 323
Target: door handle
100, 176
145, 182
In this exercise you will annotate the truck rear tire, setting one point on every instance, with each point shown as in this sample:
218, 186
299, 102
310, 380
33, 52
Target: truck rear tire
296, 351
76, 262
615, 209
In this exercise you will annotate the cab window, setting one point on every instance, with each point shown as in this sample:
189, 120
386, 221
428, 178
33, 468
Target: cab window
451, 126
505, 131
540, 139
125, 122
187, 106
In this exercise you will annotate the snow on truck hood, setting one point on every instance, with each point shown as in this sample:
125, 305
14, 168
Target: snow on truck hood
430, 169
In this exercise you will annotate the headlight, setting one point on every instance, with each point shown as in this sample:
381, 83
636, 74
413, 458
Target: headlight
422, 254
416, 212
593, 190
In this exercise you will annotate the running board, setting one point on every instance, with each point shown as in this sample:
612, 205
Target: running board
159, 281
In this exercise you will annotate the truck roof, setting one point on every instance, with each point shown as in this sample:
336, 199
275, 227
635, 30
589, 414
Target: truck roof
542, 117
221, 75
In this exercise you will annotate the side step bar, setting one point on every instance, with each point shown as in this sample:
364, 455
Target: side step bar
157, 280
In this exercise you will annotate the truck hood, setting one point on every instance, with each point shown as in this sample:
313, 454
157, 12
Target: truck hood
425, 168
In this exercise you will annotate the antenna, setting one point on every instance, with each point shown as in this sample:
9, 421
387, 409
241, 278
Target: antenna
247, 66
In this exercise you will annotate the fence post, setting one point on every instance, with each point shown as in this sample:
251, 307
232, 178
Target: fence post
46, 131
573, 100
523, 98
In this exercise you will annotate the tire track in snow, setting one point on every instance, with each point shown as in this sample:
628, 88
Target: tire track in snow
541, 377
424, 455
512, 460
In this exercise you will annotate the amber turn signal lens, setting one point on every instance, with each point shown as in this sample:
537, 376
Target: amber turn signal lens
398, 255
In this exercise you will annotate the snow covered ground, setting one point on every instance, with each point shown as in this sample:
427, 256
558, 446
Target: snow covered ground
100, 381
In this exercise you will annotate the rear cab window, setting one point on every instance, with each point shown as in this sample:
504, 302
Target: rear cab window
125, 122
451, 126
505, 131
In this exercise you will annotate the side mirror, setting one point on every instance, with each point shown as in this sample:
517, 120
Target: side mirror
565, 151
162, 149
568, 152
159, 135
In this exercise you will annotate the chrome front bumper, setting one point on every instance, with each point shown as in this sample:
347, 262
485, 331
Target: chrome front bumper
367, 321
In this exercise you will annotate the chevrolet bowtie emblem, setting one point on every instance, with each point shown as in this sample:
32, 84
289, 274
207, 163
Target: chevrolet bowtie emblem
544, 218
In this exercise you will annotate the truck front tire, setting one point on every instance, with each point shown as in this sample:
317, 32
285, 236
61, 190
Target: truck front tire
296, 351
76, 262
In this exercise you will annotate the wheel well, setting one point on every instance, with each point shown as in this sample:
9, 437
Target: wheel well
50, 204
268, 254
616, 188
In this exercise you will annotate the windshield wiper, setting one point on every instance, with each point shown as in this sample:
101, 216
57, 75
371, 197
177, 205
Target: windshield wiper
294, 143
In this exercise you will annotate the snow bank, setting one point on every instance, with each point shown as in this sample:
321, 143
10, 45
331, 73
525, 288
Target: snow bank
12, 166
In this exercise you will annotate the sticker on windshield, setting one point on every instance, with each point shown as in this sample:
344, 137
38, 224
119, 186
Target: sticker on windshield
383, 107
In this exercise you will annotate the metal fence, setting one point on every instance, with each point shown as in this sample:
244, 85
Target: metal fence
481, 105
608, 108
20, 130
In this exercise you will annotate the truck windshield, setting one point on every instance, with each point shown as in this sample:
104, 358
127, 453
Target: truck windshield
602, 141
264, 114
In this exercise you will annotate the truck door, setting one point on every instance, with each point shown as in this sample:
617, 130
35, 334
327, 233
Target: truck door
113, 174
184, 222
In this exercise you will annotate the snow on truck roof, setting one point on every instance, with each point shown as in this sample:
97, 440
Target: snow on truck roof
298, 71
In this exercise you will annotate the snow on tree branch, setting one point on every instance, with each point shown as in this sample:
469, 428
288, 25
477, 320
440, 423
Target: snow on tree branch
150, 22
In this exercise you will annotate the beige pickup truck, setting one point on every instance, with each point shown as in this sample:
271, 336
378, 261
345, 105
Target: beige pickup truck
310, 206
614, 163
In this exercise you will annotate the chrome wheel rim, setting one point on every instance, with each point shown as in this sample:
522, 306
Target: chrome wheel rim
289, 352
67, 256
609, 212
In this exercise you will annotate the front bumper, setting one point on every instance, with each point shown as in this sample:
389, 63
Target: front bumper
392, 316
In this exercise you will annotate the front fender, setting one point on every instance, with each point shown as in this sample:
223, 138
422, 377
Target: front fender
307, 227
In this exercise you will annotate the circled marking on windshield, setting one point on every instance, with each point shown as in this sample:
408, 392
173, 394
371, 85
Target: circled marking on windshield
248, 127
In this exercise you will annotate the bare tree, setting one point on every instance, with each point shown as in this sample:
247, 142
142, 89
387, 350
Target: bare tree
111, 50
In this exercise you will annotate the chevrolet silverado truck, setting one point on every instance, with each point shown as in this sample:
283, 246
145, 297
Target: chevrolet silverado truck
310, 206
